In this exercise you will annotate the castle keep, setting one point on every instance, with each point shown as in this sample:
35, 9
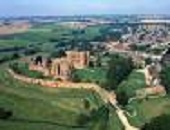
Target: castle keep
78, 59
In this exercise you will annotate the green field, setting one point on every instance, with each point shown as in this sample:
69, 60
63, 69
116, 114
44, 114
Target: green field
13, 43
148, 109
45, 37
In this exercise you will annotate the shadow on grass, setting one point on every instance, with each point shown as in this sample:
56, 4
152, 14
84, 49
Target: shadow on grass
29, 121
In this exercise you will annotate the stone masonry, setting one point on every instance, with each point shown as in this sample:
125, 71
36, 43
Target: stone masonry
61, 68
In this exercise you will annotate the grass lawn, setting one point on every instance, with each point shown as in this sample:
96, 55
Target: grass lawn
40, 108
135, 81
92, 75
148, 109
23, 69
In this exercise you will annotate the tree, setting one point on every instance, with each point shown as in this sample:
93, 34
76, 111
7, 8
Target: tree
113, 35
98, 62
119, 68
58, 54
122, 98
148, 61
75, 77
86, 104
30, 51
159, 123
15, 56
91, 64
165, 77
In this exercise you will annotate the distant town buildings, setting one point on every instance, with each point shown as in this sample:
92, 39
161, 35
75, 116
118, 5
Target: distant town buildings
118, 47
138, 60
155, 24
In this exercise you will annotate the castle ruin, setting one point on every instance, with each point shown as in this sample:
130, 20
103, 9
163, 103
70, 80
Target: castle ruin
61, 68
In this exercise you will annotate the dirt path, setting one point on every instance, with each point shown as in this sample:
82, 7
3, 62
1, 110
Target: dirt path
124, 120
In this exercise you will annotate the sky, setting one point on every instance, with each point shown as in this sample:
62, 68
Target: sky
82, 7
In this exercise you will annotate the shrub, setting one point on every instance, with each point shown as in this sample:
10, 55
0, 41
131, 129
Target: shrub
4, 114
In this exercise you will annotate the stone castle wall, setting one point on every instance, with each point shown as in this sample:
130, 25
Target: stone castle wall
64, 84
79, 60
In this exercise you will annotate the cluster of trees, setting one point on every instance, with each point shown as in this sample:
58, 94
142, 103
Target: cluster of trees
108, 35
75, 77
32, 49
9, 57
12, 55
58, 54
119, 68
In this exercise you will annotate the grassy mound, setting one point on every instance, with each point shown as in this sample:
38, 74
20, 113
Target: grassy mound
36, 107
